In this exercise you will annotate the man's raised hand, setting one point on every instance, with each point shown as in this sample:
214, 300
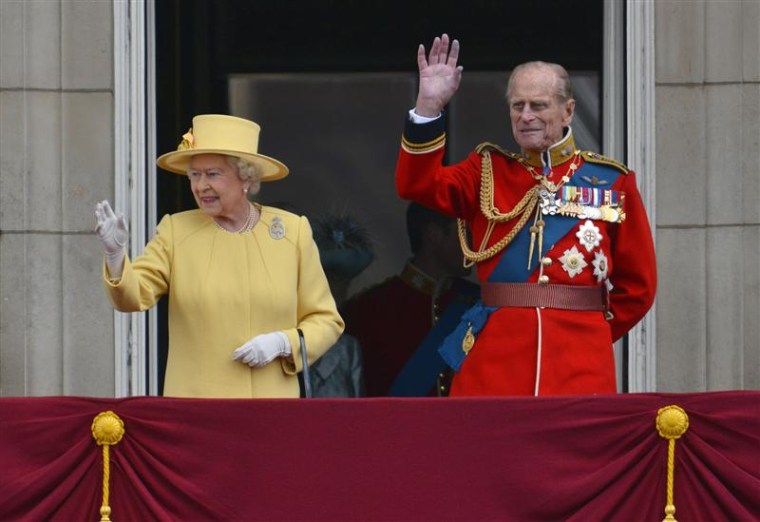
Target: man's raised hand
439, 75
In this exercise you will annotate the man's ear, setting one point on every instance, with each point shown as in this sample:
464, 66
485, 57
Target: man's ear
569, 112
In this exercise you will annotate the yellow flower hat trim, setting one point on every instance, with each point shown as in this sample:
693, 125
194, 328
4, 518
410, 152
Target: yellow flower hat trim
187, 140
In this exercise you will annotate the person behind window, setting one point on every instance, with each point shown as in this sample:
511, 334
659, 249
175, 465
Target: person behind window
559, 237
346, 250
241, 278
401, 320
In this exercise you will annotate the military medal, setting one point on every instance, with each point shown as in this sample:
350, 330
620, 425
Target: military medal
590, 203
600, 266
548, 203
573, 262
589, 235
469, 341
547, 200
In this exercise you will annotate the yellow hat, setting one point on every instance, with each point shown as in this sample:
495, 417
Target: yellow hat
222, 134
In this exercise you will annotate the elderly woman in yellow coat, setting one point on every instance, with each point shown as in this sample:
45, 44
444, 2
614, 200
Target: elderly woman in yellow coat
241, 278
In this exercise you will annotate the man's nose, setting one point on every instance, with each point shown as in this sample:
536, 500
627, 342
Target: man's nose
527, 114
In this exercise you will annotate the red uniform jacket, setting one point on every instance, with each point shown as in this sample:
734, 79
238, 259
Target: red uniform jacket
542, 351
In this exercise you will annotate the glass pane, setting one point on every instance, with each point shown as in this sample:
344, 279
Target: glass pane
339, 134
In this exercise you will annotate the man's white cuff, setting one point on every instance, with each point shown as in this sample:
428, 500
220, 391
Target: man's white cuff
416, 118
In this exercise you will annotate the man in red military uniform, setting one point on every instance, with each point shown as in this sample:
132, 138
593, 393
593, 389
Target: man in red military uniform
401, 321
560, 237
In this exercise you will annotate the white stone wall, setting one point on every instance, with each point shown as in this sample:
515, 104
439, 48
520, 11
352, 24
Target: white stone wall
56, 161
708, 196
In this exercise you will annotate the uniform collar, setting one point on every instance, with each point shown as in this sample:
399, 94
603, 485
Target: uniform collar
556, 154
413, 276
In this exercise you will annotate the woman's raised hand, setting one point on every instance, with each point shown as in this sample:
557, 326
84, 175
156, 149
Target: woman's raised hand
113, 234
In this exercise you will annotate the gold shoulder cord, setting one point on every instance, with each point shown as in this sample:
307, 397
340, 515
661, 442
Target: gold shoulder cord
524, 209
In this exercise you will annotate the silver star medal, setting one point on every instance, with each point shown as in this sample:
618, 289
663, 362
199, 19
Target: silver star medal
547, 202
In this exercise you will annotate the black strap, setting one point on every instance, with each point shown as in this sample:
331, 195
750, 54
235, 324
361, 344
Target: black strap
305, 360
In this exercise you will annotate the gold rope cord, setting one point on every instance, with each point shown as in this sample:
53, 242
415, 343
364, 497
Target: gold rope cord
524, 208
107, 430
671, 423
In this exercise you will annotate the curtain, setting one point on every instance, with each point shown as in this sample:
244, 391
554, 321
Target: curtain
382, 459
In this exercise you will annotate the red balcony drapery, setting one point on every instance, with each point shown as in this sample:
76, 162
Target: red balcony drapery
522, 459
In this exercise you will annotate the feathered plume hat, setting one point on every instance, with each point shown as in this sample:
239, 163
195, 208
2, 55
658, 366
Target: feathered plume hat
345, 247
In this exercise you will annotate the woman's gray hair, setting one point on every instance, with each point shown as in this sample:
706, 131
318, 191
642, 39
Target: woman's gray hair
564, 86
247, 171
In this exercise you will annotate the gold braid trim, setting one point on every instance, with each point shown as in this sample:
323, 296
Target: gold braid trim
419, 148
598, 158
524, 209
487, 145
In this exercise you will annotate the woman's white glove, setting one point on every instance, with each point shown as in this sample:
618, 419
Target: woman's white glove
113, 233
263, 349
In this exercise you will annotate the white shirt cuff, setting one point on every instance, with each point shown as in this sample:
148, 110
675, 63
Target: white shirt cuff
416, 118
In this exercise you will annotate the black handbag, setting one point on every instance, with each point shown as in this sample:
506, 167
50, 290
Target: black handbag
305, 360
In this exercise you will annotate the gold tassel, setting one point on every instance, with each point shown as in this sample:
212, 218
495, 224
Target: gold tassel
540, 225
107, 430
534, 230
672, 422
537, 230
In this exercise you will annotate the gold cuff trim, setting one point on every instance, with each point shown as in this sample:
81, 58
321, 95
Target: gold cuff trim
421, 148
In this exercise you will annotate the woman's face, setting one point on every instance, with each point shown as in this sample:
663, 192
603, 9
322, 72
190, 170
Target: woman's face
217, 189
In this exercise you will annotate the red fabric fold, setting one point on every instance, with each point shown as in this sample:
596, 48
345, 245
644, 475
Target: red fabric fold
455, 459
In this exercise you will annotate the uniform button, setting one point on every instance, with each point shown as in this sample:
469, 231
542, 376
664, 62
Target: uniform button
547, 261
543, 279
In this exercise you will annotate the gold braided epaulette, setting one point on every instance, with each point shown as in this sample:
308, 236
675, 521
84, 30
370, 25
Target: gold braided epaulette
487, 146
595, 157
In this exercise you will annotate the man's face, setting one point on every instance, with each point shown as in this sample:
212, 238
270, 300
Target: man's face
537, 113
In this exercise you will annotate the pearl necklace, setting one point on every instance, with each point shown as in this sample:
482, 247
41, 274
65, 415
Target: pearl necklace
247, 226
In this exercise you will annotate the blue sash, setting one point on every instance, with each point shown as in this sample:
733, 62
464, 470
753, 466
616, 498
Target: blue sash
420, 373
475, 318
513, 267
